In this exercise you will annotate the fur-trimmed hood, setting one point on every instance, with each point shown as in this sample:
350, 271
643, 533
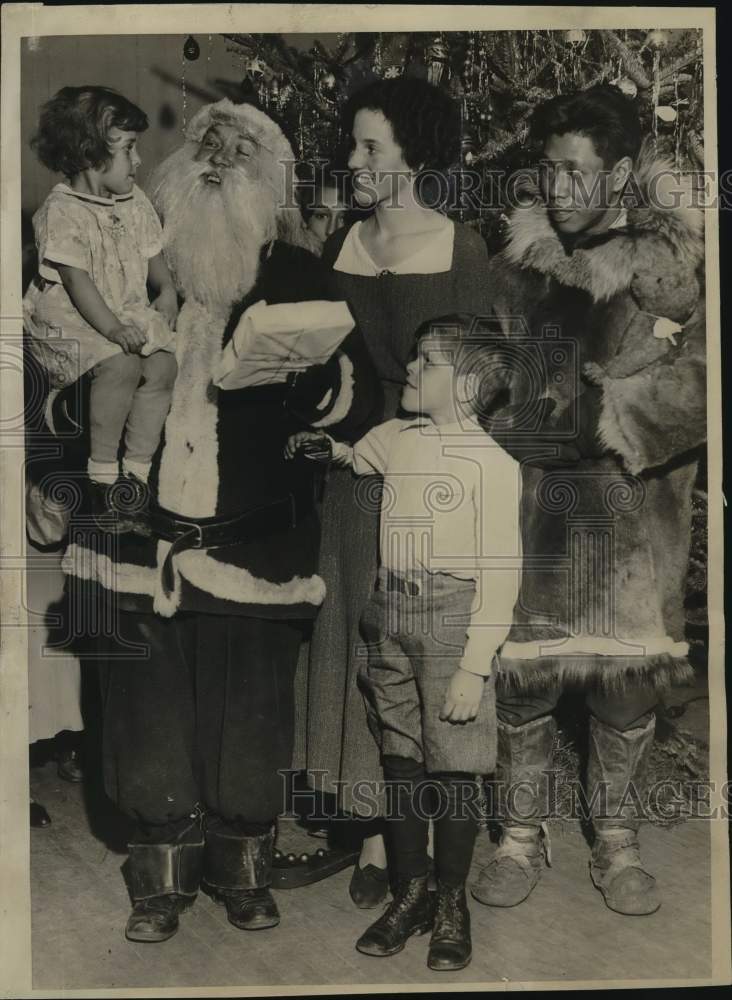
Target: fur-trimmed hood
607, 266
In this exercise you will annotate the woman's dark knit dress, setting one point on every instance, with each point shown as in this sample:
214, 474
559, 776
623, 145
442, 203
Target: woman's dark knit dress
388, 310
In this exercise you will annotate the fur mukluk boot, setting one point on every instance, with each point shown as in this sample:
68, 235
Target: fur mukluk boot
164, 881
524, 773
238, 873
617, 761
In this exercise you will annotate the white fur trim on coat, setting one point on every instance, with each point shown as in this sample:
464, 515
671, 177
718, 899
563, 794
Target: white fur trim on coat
125, 578
234, 583
189, 470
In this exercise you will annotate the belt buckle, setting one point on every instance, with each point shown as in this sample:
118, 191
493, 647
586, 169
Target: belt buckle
198, 543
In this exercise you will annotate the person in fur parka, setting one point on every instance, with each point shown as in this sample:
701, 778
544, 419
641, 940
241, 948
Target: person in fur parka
602, 295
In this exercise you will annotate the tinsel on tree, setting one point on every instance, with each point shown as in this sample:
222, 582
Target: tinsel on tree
497, 78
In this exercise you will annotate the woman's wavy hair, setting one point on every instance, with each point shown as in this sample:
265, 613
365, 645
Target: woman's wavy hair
424, 119
74, 126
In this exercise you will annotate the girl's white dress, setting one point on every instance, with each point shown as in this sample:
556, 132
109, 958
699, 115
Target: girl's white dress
112, 239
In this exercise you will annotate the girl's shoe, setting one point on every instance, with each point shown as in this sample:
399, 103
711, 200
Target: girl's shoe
411, 911
369, 886
450, 945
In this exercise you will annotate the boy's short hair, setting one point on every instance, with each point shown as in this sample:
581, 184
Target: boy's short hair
74, 126
481, 349
602, 113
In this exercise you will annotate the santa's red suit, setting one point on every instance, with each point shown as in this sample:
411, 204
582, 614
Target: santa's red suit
197, 681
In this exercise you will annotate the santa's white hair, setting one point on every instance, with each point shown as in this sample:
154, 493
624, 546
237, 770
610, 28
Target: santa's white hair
214, 234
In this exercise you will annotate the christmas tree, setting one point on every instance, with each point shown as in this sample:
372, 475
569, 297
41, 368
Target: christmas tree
497, 79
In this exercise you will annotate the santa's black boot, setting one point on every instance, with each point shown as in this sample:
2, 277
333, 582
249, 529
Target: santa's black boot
238, 873
524, 772
616, 761
164, 881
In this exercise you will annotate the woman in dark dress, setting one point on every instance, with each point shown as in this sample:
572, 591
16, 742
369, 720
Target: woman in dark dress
404, 264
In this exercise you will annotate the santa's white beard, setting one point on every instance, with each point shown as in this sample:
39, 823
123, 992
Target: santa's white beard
212, 234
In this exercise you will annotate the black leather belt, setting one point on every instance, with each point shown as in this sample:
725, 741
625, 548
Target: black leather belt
217, 532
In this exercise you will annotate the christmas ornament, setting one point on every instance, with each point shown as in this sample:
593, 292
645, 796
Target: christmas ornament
328, 81
627, 86
437, 56
575, 36
191, 49
666, 113
468, 146
255, 67
392, 72
657, 39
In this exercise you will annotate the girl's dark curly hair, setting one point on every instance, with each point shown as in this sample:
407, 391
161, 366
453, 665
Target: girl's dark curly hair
74, 126
424, 119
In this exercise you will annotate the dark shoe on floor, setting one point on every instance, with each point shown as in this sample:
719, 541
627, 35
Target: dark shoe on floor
38, 815
369, 886
248, 909
450, 945
156, 919
411, 911
69, 766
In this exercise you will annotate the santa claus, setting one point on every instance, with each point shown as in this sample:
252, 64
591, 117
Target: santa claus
197, 683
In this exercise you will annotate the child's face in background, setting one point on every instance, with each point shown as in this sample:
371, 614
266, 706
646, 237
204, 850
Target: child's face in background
327, 215
117, 177
430, 387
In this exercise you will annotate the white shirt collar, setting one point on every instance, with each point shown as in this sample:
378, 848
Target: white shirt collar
433, 257
96, 199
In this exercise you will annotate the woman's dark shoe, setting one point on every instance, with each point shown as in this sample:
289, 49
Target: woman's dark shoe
69, 766
248, 909
38, 815
156, 919
411, 911
369, 886
450, 945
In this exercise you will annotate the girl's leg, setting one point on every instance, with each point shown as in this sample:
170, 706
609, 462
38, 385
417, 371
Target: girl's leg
148, 412
114, 382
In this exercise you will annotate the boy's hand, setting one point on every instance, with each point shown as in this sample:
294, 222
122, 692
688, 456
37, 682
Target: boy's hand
462, 698
129, 338
167, 305
297, 441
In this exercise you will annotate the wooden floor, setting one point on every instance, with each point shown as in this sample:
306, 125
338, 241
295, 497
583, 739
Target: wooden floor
562, 933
